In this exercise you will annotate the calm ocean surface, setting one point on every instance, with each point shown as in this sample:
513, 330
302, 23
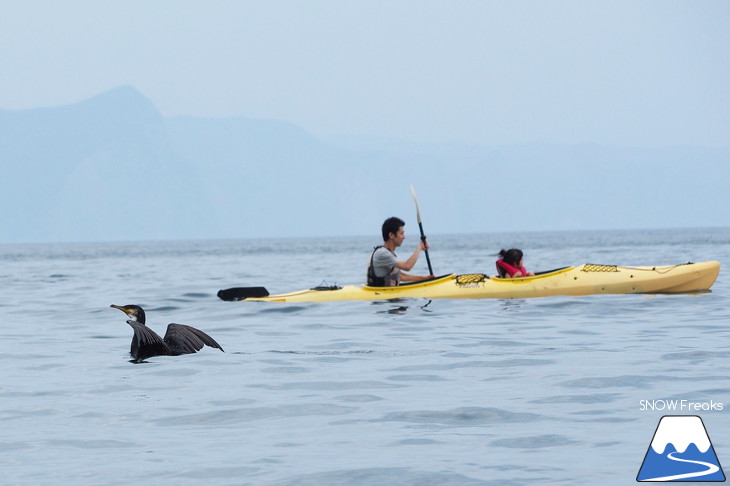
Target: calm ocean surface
492, 392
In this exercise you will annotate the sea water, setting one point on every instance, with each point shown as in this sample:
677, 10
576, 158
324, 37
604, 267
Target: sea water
558, 390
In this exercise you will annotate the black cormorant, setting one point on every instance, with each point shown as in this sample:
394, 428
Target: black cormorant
179, 338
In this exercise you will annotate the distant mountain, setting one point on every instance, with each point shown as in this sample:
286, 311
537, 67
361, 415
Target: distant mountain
112, 167
100, 169
266, 177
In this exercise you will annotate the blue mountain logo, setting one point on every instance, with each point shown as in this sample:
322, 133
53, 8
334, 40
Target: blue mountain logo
681, 451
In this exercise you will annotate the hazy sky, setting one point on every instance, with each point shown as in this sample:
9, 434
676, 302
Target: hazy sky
612, 72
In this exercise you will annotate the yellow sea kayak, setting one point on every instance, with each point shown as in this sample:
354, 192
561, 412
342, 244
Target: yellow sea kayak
585, 279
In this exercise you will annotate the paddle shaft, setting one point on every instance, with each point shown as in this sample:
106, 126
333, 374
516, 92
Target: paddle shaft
423, 239
420, 227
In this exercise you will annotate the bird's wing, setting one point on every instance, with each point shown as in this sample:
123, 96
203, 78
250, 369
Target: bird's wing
146, 342
182, 339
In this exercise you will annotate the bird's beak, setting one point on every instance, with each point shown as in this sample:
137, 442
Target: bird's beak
123, 309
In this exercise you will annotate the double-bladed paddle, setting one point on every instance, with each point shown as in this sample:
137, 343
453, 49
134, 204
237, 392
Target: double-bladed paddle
420, 227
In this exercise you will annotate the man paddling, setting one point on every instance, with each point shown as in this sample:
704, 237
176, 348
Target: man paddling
385, 269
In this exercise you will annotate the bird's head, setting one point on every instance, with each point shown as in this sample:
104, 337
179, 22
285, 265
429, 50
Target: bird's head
134, 312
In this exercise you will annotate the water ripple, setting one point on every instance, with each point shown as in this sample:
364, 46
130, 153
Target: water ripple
383, 476
630, 381
233, 416
534, 442
465, 416
507, 363
328, 385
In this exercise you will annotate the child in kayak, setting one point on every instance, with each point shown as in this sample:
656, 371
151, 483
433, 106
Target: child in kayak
511, 264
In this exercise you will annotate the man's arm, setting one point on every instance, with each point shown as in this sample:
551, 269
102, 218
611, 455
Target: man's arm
411, 262
407, 277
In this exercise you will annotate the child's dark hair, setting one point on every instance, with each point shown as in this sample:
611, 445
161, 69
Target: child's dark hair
511, 256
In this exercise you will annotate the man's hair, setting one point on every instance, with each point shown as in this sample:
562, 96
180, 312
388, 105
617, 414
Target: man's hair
391, 225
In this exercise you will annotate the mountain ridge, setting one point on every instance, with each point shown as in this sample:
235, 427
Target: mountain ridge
77, 171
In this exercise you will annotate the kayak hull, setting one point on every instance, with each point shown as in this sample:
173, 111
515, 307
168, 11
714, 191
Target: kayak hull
588, 279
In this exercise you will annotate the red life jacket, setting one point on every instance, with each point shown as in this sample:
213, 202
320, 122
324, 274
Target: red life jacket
504, 269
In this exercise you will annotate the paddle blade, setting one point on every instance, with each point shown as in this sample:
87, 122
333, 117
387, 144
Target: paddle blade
241, 293
418, 211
